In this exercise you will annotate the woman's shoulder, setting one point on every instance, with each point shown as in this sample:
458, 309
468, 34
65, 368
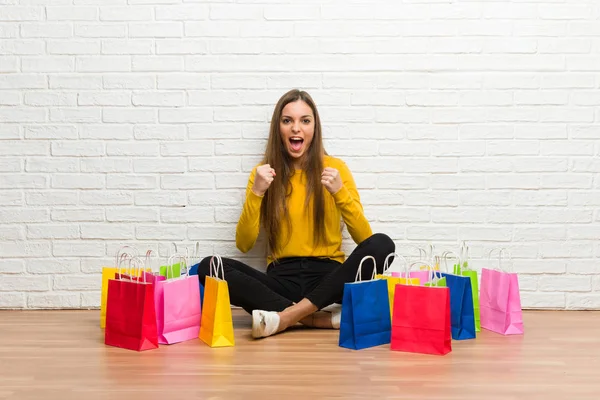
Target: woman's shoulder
334, 162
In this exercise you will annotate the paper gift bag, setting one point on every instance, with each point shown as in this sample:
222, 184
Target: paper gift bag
424, 263
500, 300
436, 279
365, 320
420, 274
179, 307
462, 268
216, 326
130, 314
109, 273
173, 271
392, 281
462, 312
421, 320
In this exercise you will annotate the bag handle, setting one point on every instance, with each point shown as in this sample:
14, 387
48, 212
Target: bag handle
148, 262
432, 275
431, 272
195, 255
124, 257
445, 259
138, 271
421, 263
215, 268
464, 257
385, 262
429, 255
170, 266
501, 250
118, 254
359, 271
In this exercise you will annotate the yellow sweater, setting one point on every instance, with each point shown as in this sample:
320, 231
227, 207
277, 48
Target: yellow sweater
344, 205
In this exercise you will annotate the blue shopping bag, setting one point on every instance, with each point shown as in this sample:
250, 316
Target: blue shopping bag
462, 312
194, 271
365, 320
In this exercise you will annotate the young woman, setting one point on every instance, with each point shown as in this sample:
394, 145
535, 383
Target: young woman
300, 196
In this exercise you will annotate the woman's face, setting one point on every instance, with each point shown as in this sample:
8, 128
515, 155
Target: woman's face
297, 128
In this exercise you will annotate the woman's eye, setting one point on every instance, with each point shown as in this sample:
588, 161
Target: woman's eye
307, 121
286, 121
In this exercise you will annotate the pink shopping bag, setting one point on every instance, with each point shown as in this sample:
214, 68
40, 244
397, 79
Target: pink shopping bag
500, 300
421, 274
178, 305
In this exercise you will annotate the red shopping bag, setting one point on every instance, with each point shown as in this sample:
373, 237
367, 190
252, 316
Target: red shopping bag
421, 320
130, 314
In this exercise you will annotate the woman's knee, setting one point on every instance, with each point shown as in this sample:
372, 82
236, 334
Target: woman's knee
382, 243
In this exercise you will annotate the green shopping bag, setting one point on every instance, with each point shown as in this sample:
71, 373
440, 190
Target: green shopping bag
173, 271
170, 271
462, 268
436, 278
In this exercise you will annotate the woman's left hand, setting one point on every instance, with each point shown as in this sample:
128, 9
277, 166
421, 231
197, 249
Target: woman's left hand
330, 178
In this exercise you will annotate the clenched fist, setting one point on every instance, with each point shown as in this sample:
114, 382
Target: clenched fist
264, 176
330, 178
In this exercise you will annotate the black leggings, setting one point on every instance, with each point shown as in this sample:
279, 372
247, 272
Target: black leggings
289, 280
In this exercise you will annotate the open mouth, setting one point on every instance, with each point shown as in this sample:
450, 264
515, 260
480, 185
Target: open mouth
296, 143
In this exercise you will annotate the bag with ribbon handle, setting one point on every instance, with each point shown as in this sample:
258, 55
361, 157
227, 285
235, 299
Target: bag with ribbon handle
216, 326
130, 312
461, 302
179, 305
421, 320
500, 299
393, 280
109, 273
365, 320
462, 268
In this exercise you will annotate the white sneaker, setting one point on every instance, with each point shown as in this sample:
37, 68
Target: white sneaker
264, 323
336, 314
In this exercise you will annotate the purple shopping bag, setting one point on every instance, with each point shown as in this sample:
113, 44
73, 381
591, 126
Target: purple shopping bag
500, 301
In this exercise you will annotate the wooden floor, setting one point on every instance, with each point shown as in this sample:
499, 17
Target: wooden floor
61, 355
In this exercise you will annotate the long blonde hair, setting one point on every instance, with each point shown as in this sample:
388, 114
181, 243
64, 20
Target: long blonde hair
274, 205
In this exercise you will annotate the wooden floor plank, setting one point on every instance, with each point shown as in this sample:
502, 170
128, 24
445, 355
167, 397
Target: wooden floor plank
61, 355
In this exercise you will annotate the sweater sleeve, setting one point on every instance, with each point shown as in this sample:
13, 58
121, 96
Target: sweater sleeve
347, 200
248, 225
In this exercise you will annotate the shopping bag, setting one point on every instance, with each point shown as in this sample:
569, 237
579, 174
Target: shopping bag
435, 279
216, 326
500, 300
422, 273
365, 320
179, 307
194, 272
130, 314
461, 304
421, 320
123, 253
392, 281
462, 268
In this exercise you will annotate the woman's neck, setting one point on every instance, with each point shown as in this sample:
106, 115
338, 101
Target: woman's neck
298, 165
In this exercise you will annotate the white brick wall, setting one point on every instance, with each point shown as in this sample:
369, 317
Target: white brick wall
137, 122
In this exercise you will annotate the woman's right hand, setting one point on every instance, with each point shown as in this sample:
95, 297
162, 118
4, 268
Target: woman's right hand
264, 176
